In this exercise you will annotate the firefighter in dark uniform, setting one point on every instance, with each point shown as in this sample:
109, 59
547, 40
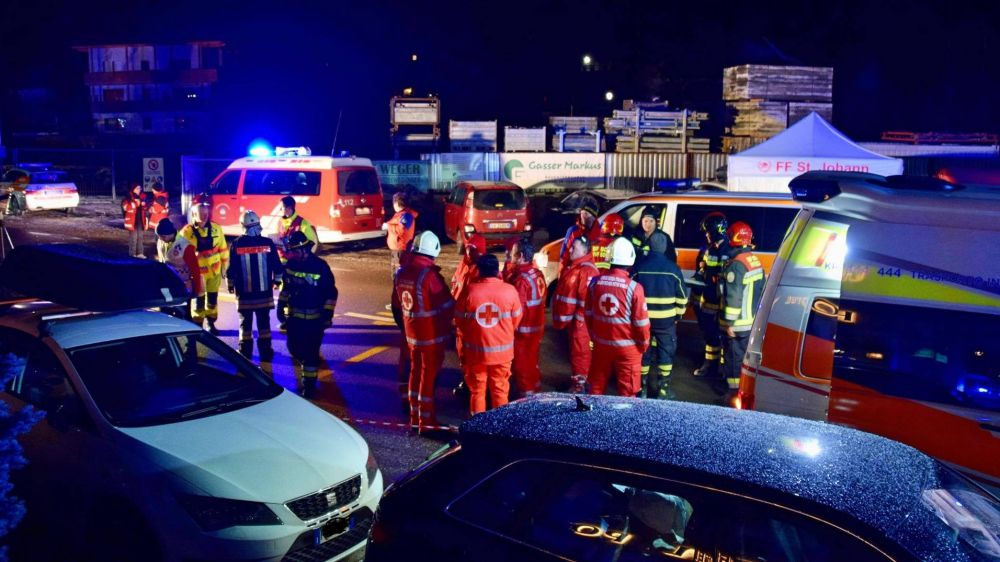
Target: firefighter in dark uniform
666, 301
741, 286
711, 259
253, 273
306, 305
648, 224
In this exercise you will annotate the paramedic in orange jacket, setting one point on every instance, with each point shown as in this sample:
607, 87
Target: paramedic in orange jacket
466, 273
427, 308
619, 324
530, 285
611, 229
487, 318
586, 225
568, 311
401, 228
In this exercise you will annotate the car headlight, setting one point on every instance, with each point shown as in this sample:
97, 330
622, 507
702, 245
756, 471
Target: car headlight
371, 466
213, 514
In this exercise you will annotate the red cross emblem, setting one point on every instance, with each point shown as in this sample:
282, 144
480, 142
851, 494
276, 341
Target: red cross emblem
609, 305
407, 300
488, 315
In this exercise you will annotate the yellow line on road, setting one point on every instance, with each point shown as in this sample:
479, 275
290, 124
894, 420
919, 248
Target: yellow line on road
366, 317
365, 355
384, 313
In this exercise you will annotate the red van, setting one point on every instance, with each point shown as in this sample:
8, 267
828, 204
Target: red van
494, 209
341, 197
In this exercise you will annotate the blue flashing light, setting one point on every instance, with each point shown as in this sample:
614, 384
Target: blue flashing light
675, 185
260, 147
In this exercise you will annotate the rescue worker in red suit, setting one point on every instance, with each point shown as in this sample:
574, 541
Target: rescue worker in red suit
586, 225
709, 264
428, 311
611, 229
159, 207
178, 252
254, 272
403, 363
741, 287
568, 311
487, 318
401, 229
466, 273
530, 285
135, 211
619, 324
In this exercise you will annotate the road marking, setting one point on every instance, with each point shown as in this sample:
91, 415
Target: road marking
367, 317
384, 313
366, 354
32, 232
342, 269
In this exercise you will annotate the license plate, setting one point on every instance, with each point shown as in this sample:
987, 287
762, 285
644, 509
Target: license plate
363, 211
500, 225
332, 528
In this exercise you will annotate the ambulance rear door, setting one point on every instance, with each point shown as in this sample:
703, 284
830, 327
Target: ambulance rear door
357, 204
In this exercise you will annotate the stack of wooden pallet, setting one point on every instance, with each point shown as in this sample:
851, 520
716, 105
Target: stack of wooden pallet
574, 134
763, 100
653, 127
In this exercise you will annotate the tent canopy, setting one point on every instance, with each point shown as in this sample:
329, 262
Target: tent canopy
810, 144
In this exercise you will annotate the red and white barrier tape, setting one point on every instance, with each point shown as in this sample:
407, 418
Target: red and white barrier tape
398, 425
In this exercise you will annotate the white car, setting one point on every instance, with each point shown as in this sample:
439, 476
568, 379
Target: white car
162, 443
46, 189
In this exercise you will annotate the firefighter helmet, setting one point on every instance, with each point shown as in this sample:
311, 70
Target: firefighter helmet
427, 243
249, 219
613, 225
621, 252
297, 240
740, 234
714, 225
589, 204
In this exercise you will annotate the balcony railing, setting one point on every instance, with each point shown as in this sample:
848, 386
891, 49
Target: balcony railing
167, 76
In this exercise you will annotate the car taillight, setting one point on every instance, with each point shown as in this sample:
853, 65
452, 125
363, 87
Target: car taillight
743, 401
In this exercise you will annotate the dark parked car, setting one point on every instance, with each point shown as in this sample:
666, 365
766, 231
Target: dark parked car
621, 479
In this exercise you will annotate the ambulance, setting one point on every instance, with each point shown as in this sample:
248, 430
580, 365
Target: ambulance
882, 313
341, 197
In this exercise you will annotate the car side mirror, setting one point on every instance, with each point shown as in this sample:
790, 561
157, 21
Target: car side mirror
66, 415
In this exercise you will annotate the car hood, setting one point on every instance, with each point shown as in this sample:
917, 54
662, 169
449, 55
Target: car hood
272, 452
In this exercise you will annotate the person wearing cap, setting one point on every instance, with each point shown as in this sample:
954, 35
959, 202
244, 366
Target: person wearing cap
306, 305
292, 222
427, 308
529, 283
136, 213
253, 273
178, 253
619, 324
568, 311
213, 259
400, 230
586, 225
666, 300
487, 317
649, 224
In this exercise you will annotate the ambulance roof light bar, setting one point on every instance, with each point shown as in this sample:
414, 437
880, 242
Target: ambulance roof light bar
292, 151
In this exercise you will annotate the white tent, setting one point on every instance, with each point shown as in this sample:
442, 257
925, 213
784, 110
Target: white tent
810, 144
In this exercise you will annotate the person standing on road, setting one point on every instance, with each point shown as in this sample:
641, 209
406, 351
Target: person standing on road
306, 305
741, 287
465, 274
618, 322
666, 300
428, 311
710, 261
611, 229
529, 283
159, 207
254, 272
568, 311
401, 228
487, 318
135, 213
586, 225
213, 259
178, 253
403, 363
292, 222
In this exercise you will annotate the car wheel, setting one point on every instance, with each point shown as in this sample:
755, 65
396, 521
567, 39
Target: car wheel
117, 532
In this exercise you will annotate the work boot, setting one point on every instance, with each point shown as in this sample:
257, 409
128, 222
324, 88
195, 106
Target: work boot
265, 349
246, 349
211, 327
665, 392
708, 369
460, 391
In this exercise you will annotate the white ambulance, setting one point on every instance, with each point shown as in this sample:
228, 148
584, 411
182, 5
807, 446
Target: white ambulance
882, 313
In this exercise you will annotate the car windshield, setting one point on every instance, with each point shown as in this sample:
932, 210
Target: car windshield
167, 378
971, 512
49, 176
498, 199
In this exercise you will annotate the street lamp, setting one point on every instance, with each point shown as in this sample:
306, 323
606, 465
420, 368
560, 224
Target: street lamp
587, 60
609, 95
413, 57
407, 91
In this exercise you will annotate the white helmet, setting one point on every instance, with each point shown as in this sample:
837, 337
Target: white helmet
249, 219
622, 253
427, 243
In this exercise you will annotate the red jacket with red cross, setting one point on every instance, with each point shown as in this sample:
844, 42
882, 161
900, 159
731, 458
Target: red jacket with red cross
530, 286
567, 303
487, 318
616, 312
425, 301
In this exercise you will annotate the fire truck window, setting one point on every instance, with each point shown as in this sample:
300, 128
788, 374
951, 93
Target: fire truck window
227, 184
920, 353
357, 182
281, 182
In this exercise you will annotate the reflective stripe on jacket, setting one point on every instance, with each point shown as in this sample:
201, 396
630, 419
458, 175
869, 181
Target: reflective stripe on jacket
159, 209
574, 232
710, 262
210, 245
530, 286
741, 287
181, 256
295, 223
465, 274
402, 226
253, 268
308, 289
666, 295
135, 209
487, 318
601, 251
616, 311
571, 292
425, 302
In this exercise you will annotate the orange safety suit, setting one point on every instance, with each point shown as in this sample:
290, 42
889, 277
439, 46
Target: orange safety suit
134, 210
487, 318
159, 209
568, 313
619, 325
530, 286
402, 227
427, 308
572, 233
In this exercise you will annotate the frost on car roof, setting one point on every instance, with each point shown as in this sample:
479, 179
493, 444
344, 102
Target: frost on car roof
874, 479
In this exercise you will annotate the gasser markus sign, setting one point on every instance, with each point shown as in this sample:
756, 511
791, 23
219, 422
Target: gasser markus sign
527, 170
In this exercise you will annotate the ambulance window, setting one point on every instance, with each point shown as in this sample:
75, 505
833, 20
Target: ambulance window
920, 353
633, 216
687, 228
281, 182
769, 234
357, 182
227, 184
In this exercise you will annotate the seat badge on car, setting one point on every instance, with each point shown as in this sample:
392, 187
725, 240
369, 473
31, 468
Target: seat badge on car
331, 499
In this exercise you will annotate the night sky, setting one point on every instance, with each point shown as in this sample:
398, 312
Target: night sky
291, 68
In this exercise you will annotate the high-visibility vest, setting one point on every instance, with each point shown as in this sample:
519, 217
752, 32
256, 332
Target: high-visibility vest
710, 262
487, 318
571, 292
616, 312
135, 207
295, 223
401, 229
741, 286
530, 286
426, 304
308, 289
666, 295
210, 246
253, 268
160, 208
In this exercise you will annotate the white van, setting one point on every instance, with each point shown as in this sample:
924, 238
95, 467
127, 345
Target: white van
882, 312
